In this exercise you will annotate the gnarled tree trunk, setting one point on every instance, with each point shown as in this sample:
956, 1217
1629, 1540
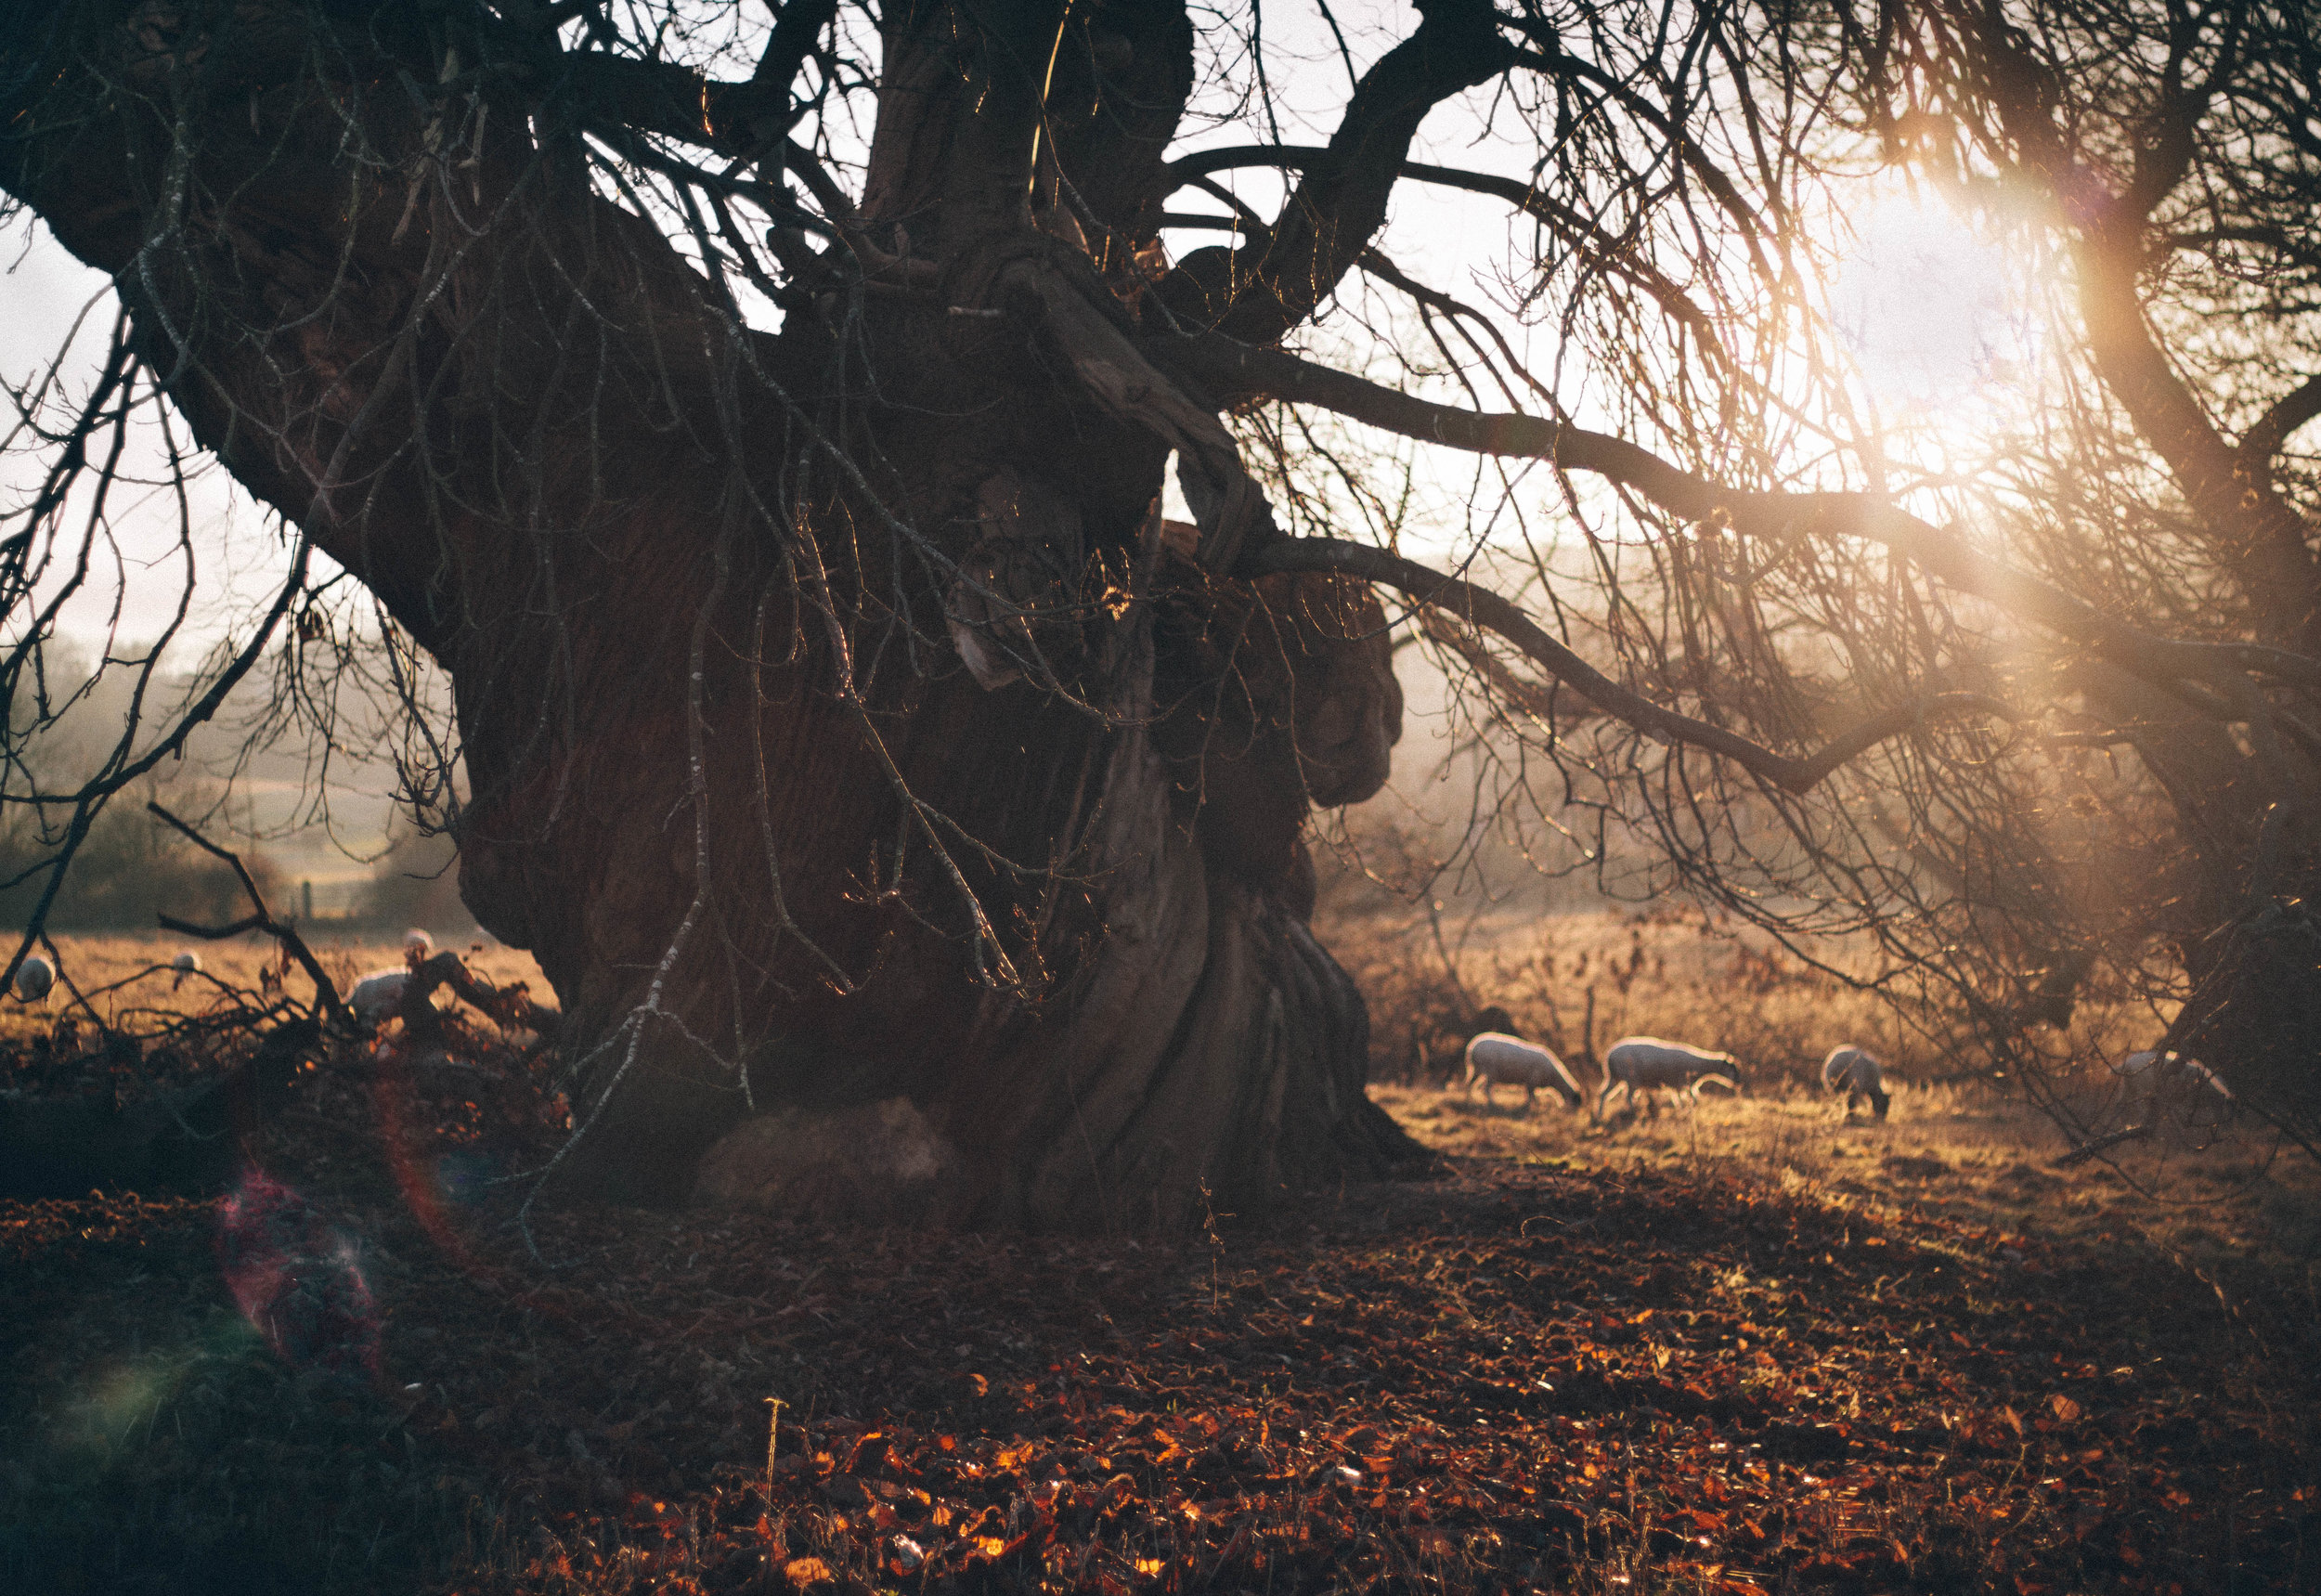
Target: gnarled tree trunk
905, 822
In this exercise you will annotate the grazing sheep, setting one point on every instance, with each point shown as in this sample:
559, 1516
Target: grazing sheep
1495, 1058
2155, 1081
33, 978
1857, 1073
417, 946
377, 996
1648, 1064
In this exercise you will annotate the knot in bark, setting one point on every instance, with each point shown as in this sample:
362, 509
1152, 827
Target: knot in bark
1282, 696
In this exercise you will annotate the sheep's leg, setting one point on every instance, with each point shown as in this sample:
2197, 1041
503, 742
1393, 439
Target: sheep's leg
1531, 1094
1879, 1102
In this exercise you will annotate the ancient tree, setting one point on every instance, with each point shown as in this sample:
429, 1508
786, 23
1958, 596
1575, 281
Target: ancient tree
761, 418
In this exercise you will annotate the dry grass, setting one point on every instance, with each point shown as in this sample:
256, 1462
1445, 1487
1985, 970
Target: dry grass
1964, 1151
1577, 982
2229, 1200
127, 982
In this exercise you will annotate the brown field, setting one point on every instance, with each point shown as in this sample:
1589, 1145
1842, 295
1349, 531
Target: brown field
126, 981
2227, 1196
1575, 980
1742, 1346
2227, 1203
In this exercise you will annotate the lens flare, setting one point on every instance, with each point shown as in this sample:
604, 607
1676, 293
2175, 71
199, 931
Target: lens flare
295, 1278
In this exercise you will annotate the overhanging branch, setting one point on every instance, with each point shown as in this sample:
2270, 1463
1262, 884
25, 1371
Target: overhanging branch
1341, 201
1235, 373
1480, 606
1612, 254
671, 100
1506, 686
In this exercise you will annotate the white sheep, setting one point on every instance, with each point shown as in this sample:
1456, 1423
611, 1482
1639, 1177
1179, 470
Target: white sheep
377, 996
1648, 1064
186, 962
417, 946
2156, 1080
1495, 1058
1857, 1073
33, 978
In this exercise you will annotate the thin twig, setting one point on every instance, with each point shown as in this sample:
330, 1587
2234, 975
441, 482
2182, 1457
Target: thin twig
326, 990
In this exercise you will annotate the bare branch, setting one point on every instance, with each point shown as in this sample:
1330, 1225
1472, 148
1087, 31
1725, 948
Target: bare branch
2292, 411
2259, 537
1238, 372
1341, 202
326, 990
1481, 607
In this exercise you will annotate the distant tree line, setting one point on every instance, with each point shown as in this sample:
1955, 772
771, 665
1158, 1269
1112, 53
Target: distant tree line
129, 868
132, 868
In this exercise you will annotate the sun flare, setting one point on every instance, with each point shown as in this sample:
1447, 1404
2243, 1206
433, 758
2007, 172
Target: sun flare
1935, 315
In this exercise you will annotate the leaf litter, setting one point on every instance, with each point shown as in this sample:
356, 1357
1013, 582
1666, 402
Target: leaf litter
1496, 1378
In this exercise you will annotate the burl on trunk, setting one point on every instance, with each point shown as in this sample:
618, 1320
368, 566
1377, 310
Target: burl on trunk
908, 820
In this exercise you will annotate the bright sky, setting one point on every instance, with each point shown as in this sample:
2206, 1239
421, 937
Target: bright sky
1922, 304
1932, 313
47, 295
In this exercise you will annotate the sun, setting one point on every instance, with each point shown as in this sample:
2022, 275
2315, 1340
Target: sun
1934, 313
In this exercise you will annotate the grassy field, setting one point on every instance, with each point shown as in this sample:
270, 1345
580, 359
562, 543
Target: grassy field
127, 981
1744, 1346
2226, 1204
1578, 981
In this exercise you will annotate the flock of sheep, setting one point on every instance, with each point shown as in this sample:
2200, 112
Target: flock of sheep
1646, 1064
1635, 1064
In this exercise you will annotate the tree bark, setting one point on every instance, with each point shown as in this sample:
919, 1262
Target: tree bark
1024, 932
